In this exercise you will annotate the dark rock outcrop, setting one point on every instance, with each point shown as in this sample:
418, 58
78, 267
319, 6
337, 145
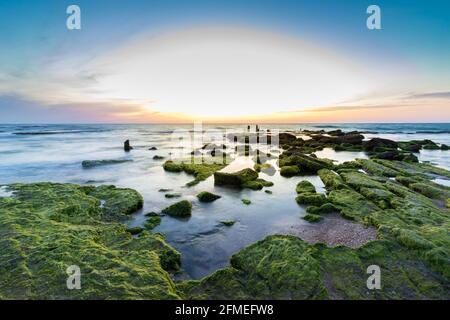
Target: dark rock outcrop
126, 146
379, 143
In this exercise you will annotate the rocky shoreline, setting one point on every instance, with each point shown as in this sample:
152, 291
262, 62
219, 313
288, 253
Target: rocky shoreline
402, 215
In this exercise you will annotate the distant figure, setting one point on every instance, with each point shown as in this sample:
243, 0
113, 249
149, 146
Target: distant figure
248, 128
257, 128
126, 146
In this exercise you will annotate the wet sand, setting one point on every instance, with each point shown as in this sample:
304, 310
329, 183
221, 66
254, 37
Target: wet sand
334, 230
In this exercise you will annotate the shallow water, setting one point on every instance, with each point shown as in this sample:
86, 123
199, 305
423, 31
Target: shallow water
204, 242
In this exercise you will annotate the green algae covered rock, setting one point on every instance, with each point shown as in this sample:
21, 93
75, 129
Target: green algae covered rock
135, 230
87, 164
257, 184
152, 222
267, 168
331, 179
48, 227
246, 178
179, 209
206, 196
172, 195
228, 223
236, 178
286, 267
325, 208
246, 202
310, 217
305, 186
306, 164
199, 168
116, 204
309, 198
289, 171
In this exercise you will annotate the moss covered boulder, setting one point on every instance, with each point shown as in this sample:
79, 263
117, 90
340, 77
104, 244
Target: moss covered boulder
305, 186
306, 164
200, 168
180, 209
289, 171
206, 196
48, 227
309, 198
246, 178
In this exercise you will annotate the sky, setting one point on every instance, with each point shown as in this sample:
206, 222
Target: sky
267, 61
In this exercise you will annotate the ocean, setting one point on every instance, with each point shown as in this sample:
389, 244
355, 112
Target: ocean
35, 153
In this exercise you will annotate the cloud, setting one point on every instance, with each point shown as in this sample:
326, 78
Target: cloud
432, 95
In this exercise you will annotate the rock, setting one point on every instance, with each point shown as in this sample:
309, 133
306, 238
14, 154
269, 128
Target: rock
206, 196
348, 138
306, 164
426, 144
87, 164
410, 158
152, 222
431, 146
305, 186
246, 202
331, 180
172, 166
285, 138
308, 198
172, 195
444, 147
327, 208
410, 146
268, 191
237, 179
312, 217
336, 133
135, 230
396, 155
126, 146
228, 223
153, 148
379, 143
117, 203
201, 171
156, 157
179, 209
257, 184
289, 171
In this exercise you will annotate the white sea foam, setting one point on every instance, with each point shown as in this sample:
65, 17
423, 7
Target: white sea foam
5, 193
